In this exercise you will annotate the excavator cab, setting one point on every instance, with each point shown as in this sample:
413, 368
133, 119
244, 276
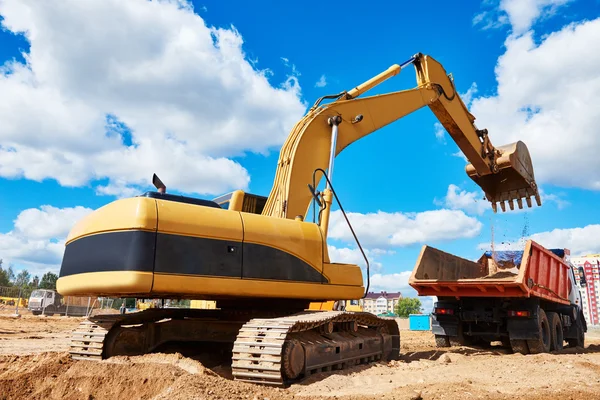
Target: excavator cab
512, 178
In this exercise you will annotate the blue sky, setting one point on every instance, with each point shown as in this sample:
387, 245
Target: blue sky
229, 81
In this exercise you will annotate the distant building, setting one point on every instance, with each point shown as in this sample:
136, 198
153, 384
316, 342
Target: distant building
588, 281
380, 303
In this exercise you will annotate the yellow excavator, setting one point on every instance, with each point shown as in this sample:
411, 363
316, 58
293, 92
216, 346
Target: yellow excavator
260, 258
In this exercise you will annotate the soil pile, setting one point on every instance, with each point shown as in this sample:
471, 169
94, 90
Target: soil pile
153, 376
34, 364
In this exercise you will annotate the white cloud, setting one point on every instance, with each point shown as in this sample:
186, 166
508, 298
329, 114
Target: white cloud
548, 101
467, 97
48, 222
554, 198
475, 202
322, 82
38, 237
471, 202
384, 230
346, 255
520, 14
398, 282
175, 97
460, 154
440, 132
580, 241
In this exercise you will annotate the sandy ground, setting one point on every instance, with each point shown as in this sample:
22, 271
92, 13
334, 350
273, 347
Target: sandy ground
34, 364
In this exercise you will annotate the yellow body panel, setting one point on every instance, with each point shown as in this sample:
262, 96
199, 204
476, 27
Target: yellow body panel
129, 283
301, 239
328, 306
240, 288
176, 267
322, 305
192, 220
203, 304
116, 283
343, 274
125, 214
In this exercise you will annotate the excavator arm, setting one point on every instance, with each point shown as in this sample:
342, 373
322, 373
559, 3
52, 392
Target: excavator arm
504, 173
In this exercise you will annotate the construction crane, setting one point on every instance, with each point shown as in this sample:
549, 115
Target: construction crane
259, 257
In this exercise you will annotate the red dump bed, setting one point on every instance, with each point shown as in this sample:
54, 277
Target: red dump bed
541, 273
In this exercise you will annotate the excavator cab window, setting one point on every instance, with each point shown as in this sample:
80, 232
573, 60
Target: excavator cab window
241, 201
181, 199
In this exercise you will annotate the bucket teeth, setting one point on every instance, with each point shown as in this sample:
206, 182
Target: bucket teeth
503, 206
511, 204
528, 199
520, 203
495, 207
538, 200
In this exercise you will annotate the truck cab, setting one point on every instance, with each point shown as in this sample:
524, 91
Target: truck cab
44, 300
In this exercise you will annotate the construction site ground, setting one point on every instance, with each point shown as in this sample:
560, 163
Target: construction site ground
35, 364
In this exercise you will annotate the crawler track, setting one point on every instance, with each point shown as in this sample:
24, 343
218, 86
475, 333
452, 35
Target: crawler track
87, 342
277, 351
267, 350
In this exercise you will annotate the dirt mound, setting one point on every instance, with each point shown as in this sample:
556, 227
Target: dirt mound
36, 365
153, 376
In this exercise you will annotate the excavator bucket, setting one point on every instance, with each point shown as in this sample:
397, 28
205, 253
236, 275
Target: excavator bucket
514, 179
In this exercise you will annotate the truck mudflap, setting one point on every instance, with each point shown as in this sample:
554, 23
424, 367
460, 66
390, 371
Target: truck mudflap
444, 325
523, 328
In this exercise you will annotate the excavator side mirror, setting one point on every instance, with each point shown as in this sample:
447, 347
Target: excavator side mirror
158, 184
315, 194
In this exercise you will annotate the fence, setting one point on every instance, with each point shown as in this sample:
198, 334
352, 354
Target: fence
11, 295
53, 303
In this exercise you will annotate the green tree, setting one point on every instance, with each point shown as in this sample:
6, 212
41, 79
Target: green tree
35, 282
23, 278
11, 274
407, 306
4, 277
48, 281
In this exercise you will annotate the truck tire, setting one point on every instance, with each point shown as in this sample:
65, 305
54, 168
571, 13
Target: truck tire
460, 339
442, 341
557, 339
580, 340
543, 343
519, 346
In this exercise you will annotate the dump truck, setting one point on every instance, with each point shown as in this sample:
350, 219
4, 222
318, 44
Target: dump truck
49, 302
528, 299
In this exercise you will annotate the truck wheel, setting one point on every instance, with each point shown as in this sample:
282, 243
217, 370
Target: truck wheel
557, 332
459, 340
519, 346
542, 344
442, 341
580, 340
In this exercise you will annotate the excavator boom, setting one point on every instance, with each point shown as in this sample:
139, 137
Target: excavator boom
504, 173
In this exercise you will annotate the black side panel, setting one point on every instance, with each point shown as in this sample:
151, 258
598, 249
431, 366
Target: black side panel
176, 254
112, 251
264, 262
